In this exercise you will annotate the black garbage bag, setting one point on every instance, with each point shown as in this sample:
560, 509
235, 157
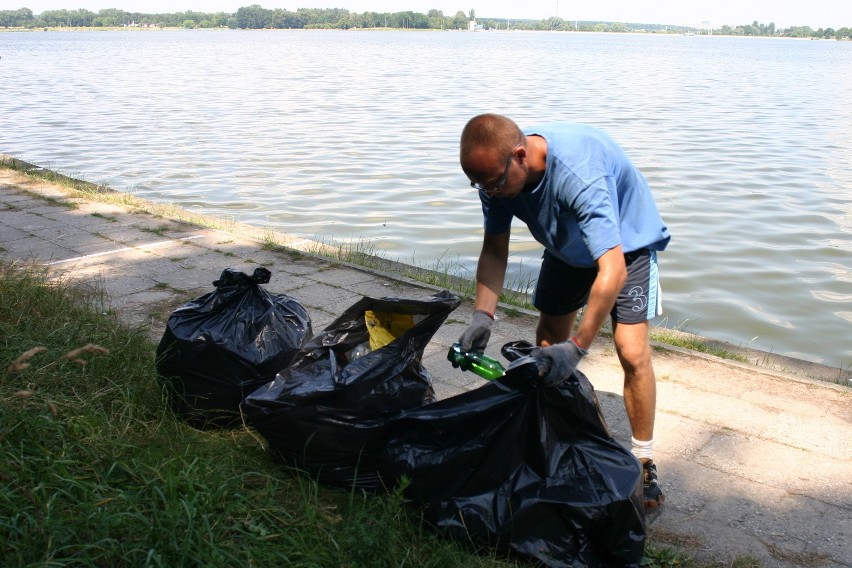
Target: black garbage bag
525, 469
327, 413
222, 346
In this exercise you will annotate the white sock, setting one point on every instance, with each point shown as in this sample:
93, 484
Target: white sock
642, 449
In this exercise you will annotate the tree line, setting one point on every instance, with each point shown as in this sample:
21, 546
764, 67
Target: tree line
257, 17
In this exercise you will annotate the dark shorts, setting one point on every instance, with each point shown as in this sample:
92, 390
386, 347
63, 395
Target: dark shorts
562, 289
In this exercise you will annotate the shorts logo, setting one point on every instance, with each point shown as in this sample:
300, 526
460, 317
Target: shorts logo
639, 298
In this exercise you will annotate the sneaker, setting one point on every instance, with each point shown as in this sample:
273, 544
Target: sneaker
652, 494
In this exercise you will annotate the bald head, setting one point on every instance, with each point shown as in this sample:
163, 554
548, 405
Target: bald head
487, 138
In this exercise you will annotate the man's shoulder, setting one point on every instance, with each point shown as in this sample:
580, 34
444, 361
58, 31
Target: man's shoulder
563, 127
571, 136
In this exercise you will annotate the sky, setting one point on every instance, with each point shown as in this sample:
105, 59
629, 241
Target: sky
784, 13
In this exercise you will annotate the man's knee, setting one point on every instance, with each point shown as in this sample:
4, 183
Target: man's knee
633, 347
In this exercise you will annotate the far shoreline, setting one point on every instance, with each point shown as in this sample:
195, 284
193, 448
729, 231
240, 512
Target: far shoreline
64, 29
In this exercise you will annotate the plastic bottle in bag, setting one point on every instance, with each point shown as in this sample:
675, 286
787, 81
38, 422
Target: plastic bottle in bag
358, 351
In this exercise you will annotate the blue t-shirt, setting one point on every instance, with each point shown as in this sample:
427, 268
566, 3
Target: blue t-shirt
590, 199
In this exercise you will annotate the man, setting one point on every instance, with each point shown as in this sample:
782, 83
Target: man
582, 199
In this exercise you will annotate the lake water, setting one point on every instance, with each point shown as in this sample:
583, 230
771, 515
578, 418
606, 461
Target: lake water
747, 144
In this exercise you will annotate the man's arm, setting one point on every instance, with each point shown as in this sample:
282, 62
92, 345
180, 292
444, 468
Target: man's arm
612, 274
491, 271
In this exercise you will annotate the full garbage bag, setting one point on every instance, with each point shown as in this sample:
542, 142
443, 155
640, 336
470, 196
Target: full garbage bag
222, 346
327, 412
525, 469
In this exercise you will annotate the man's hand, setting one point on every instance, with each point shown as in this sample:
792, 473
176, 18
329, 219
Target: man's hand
475, 337
564, 358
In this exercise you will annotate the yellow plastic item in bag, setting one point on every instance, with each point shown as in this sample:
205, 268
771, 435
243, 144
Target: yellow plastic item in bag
384, 327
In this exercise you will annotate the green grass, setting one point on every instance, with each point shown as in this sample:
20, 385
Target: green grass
678, 338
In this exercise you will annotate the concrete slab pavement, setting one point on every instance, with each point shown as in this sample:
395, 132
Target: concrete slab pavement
755, 459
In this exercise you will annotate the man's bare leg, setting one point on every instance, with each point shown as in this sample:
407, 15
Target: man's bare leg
640, 385
554, 329
640, 400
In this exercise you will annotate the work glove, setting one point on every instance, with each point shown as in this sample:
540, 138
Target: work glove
563, 358
475, 337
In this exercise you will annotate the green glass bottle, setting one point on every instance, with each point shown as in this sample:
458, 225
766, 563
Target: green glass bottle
479, 363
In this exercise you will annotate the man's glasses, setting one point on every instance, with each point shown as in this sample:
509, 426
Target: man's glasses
498, 187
